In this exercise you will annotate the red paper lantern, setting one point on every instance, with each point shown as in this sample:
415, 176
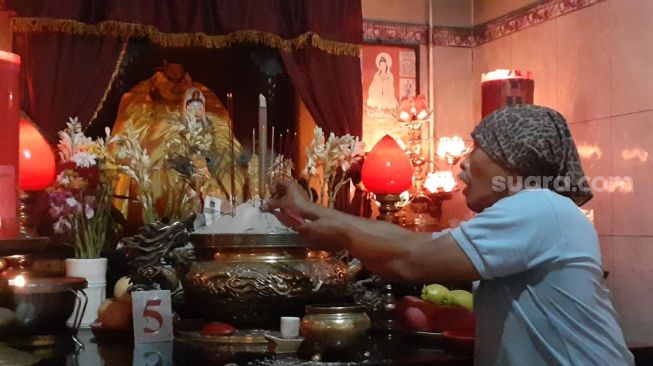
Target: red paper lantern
36, 169
387, 168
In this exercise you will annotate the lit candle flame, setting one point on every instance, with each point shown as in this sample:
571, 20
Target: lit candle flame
18, 281
441, 181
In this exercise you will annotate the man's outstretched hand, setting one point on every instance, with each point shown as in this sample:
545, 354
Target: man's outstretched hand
290, 204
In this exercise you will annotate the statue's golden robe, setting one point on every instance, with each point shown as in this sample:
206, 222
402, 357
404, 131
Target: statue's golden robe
152, 108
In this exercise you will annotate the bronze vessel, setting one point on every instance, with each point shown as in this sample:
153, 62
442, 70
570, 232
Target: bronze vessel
251, 280
334, 332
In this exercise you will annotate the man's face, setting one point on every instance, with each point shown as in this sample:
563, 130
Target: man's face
477, 173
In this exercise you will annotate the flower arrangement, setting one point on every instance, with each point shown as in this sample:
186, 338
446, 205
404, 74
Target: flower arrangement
135, 162
80, 198
188, 151
332, 158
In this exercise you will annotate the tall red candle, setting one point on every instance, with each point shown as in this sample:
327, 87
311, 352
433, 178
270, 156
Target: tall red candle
9, 117
502, 88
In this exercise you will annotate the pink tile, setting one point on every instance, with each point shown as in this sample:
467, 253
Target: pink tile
395, 11
632, 156
594, 143
487, 57
452, 13
583, 63
631, 286
607, 255
631, 53
453, 92
533, 49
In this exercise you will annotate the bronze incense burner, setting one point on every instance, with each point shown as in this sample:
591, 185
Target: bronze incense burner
251, 280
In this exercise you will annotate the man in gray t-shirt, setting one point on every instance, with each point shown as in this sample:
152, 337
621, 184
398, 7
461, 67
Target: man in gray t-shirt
541, 299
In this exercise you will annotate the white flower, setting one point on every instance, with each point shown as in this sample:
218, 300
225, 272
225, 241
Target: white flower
72, 202
63, 179
88, 211
84, 159
62, 225
311, 167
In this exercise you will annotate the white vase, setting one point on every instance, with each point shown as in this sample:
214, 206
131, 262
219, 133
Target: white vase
95, 273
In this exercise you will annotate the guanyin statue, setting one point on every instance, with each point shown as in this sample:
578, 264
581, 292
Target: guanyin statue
154, 108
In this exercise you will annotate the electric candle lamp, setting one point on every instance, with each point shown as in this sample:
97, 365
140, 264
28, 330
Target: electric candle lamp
451, 149
441, 181
413, 109
387, 172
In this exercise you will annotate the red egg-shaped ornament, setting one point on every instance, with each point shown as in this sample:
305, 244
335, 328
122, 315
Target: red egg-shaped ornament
387, 168
36, 168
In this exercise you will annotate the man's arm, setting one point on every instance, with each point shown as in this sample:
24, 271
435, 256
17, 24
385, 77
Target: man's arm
385, 249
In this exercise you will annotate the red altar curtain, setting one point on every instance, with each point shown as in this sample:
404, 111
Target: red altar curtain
314, 37
331, 88
66, 76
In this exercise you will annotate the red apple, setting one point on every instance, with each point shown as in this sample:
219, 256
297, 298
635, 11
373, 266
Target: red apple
415, 314
414, 319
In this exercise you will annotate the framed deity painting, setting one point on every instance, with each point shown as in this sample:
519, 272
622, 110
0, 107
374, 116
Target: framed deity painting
390, 73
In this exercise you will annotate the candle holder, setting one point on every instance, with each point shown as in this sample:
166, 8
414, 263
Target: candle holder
413, 113
388, 207
25, 210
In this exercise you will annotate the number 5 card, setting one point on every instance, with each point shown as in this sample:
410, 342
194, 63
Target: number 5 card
152, 316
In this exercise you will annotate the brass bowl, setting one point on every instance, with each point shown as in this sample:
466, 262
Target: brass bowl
334, 332
251, 280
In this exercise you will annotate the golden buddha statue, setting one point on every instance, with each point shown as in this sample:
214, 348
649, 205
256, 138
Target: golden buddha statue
154, 109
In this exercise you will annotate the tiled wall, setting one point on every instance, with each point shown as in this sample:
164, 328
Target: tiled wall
595, 66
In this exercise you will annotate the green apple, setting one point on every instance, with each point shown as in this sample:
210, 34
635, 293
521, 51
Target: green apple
435, 294
461, 298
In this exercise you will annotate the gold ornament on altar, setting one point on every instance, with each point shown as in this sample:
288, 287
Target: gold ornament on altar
185, 131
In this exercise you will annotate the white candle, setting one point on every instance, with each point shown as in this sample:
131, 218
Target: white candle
262, 144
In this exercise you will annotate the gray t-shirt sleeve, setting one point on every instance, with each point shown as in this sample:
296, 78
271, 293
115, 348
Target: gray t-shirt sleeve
512, 236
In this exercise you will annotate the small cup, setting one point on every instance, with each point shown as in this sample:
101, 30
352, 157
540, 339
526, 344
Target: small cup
289, 327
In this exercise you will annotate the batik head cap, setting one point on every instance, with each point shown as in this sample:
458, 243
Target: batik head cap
534, 141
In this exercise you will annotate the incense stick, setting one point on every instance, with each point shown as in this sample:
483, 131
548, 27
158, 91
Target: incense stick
262, 146
232, 195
